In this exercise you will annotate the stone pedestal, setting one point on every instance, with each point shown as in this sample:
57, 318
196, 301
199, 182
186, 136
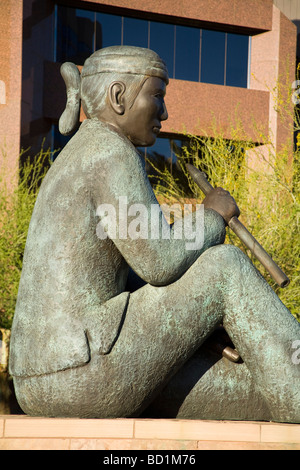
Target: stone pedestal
26, 433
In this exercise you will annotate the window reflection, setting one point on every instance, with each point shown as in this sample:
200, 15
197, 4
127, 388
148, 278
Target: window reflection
237, 60
187, 53
163, 153
190, 53
161, 147
108, 30
135, 32
163, 158
162, 41
75, 34
213, 57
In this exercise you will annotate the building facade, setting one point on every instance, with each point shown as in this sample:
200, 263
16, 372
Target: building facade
222, 55
291, 9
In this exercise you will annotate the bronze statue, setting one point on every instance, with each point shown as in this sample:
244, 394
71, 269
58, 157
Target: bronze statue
83, 344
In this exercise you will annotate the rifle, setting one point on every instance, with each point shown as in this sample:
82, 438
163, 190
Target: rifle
240, 230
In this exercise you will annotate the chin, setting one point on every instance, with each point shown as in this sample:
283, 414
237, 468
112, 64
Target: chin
144, 142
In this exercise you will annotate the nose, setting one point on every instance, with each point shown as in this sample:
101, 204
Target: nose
164, 115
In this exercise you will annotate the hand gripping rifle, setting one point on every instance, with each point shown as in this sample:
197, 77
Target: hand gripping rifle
240, 230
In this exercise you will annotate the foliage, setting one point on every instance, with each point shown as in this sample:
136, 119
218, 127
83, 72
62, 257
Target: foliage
266, 187
16, 205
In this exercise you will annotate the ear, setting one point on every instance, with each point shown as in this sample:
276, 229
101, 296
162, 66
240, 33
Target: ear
116, 96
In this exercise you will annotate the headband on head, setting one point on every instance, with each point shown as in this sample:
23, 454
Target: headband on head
126, 59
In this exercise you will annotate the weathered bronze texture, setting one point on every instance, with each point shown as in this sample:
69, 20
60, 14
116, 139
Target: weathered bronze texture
112, 325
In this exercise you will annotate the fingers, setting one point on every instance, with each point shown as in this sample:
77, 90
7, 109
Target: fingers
229, 199
222, 202
223, 192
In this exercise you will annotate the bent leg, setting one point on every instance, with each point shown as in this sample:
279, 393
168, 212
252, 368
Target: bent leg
165, 326
171, 322
263, 330
162, 330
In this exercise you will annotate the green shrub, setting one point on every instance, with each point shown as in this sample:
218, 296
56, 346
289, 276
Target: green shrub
16, 206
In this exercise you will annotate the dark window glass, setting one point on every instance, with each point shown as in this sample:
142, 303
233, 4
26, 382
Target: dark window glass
237, 60
75, 34
166, 149
158, 155
162, 42
108, 30
161, 147
213, 57
223, 56
135, 32
58, 140
187, 53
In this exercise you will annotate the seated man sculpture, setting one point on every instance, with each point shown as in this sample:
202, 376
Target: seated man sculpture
82, 344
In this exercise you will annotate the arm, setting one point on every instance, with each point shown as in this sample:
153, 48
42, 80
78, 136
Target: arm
160, 260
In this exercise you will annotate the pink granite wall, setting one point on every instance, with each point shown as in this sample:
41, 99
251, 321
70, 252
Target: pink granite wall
273, 56
253, 14
11, 15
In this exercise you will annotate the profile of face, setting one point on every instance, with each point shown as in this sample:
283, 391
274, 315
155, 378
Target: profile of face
143, 120
123, 86
140, 121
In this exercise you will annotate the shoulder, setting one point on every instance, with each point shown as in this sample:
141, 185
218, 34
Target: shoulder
109, 150
104, 138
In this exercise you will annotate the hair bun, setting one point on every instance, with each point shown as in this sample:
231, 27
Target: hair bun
70, 117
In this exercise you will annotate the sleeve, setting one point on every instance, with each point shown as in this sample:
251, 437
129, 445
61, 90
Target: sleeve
129, 213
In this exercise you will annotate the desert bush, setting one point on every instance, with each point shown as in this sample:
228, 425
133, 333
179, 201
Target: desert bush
16, 206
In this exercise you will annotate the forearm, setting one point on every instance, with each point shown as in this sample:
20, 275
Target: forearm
162, 257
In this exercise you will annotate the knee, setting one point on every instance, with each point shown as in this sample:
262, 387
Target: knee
222, 259
225, 253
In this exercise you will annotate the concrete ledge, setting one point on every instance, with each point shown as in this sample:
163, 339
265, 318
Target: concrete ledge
18, 432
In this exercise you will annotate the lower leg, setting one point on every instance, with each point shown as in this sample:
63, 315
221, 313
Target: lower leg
165, 326
263, 331
210, 387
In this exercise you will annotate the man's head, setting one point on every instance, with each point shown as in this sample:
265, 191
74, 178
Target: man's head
125, 86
